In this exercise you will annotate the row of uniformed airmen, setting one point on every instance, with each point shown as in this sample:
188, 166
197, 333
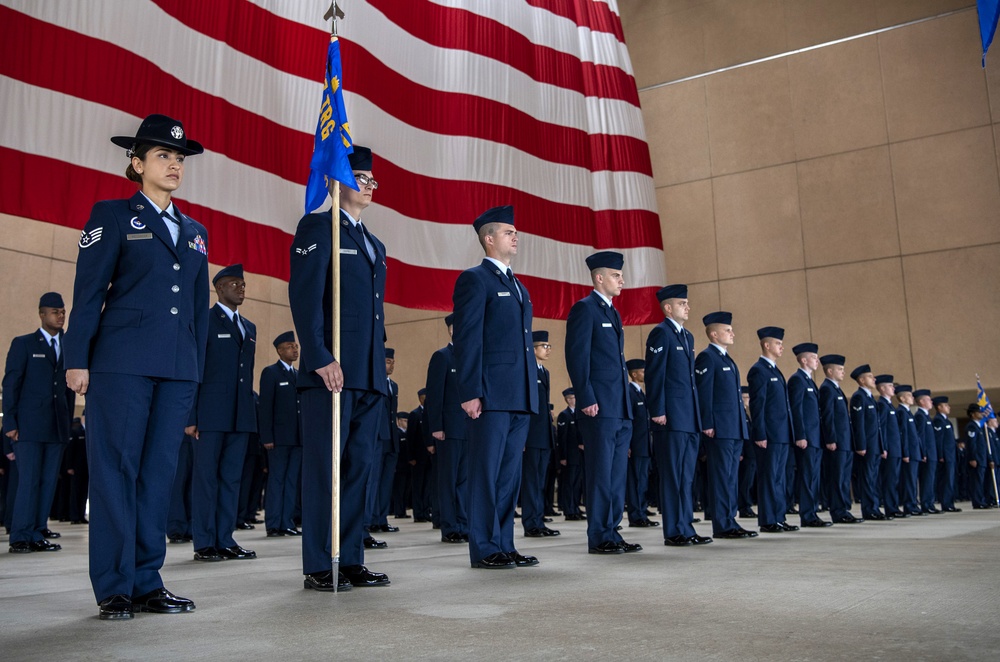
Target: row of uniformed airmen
156, 362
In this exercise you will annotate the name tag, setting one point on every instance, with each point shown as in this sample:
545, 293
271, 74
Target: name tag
947, 427
38, 356
503, 294
225, 335
640, 403
774, 379
453, 370
606, 324
892, 413
871, 406
139, 235
539, 381
726, 369
810, 390
282, 383
348, 251
681, 348
840, 397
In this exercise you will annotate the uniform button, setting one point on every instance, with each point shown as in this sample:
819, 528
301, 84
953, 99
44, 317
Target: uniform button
376, 295
175, 288
173, 311
376, 317
241, 379
177, 266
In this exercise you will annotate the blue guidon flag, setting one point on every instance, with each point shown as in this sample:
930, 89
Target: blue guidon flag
984, 401
989, 12
333, 136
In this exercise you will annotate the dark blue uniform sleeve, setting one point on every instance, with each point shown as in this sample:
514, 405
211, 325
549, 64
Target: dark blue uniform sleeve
656, 372
13, 378
265, 408
704, 377
796, 398
469, 299
858, 422
757, 387
579, 340
307, 283
437, 371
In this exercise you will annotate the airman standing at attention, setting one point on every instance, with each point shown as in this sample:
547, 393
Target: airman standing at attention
804, 400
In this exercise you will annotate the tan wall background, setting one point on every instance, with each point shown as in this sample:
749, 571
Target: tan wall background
848, 193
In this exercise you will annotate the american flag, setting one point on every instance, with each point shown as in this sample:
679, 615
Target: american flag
467, 104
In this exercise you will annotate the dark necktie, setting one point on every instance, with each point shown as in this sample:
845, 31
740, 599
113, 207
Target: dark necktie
55, 347
513, 283
236, 321
173, 226
363, 235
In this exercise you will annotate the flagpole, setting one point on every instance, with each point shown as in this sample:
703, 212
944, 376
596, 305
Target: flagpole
989, 449
333, 13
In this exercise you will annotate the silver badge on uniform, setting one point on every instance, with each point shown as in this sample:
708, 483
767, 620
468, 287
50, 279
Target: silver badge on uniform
177, 132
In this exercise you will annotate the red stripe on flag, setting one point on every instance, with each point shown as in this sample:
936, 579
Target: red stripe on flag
595, 16
52, 57
459, 29
460, 202
28, 192
456, 114
281, 43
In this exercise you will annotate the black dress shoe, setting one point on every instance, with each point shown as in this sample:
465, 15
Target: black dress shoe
517, 515
878, 517
816, 523
917, 513
643, 523
792, 511
573, 518
699, 540
453, 538
549, 533
256, 520
244, 526
420, 520
208, 554
22, 547
275, 533
732, 535
371, 543
772, 528
323, 581
403, 516
45, 546
292, 532
900, 514
932, 510
749, 534
495, 561
388, 528
360, 576
695, 520
748, 513
953, 509
677, 541
52, 535
520, 560
629, 547
607, 547
81, 521
161, 601
115, 608
177, 539
534, 533
236, 553
546, 519
618, 527
789, 527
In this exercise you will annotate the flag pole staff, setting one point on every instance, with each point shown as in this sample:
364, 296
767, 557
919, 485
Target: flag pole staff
989, 452
334, 12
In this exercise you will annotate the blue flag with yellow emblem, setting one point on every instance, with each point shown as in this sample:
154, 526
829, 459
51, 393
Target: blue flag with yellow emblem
984, 401
333, 136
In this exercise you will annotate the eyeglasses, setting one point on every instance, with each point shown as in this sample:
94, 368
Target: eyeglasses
544, 345
365, 180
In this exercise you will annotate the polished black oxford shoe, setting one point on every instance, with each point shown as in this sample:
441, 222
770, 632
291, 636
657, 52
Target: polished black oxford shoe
371, 543
607, 547
520, 560
275, 533
49, 533
816, 523
207, 554
677, 541
772, 528
699, 540
495, 561
360, 576
323, 581
455, 538
630, 547
236, 553
161, 601
115, 608
44, 546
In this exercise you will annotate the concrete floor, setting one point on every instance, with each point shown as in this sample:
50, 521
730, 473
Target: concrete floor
919, 589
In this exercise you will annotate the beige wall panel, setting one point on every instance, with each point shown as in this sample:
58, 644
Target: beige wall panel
946, 190
61, 277
932, 77
688, 227
677, 132
859, 310
771, 300
28, 277
666, 47
635, 12
894, 12
704, 299
398, 315
954, 313
741, 31
810, 22
22, 235
847, 207
277, 291
837, 98
750, 118
757, 222
65, 243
